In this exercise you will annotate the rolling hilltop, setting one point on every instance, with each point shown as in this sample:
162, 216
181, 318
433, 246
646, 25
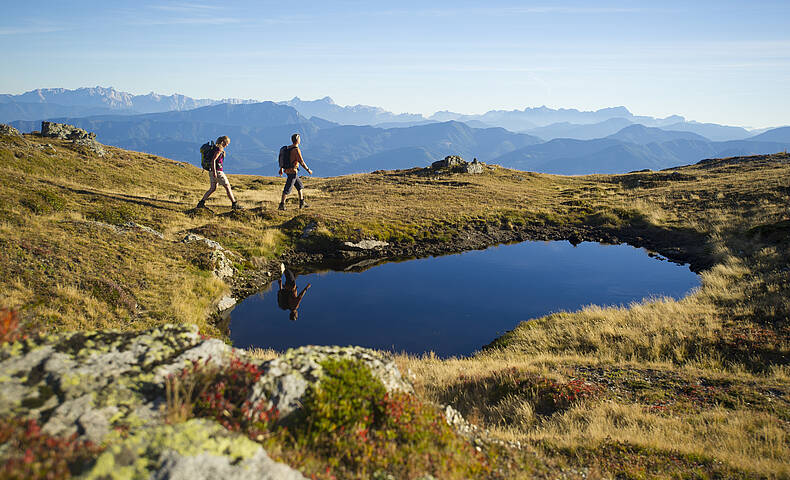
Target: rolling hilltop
696, 387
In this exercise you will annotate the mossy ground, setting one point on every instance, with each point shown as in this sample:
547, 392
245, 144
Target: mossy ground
694, 387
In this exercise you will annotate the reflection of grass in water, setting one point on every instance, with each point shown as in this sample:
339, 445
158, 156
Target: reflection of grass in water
733, 329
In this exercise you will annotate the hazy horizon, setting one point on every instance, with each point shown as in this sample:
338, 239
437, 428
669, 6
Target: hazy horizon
710, 62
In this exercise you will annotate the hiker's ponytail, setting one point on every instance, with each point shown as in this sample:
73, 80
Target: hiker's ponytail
223, 140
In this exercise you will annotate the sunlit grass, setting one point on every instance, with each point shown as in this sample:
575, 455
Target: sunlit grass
63, 266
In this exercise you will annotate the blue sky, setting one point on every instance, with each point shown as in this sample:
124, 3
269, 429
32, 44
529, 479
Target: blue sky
711, 61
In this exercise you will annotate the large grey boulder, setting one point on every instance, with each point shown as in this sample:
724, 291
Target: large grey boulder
89, 382
193, 450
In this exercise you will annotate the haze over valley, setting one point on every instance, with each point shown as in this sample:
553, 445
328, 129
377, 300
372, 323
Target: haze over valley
340, 140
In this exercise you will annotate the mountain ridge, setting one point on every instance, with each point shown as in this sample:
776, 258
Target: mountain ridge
531, 120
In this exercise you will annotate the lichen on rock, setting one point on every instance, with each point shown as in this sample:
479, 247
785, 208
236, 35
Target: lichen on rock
193, 450
9, 130
90, 382
287, 377
219, 257
96, 385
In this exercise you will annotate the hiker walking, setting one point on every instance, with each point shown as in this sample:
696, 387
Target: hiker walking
293, 158
214, 155
288, 297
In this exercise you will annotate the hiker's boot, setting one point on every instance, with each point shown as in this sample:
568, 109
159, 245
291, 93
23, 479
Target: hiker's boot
302, 203
282, 206
201, 204
236, 206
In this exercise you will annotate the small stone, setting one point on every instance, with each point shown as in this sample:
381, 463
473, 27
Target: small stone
310, 228
366, 245
225, 303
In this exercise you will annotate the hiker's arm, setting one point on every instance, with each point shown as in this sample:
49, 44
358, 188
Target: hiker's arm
301, 161
214, 162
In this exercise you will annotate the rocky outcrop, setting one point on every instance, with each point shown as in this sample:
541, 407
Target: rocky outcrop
474, 167
458, 165
9, 130
89, 382
90, 145
219, 257
80, 138
448, 161
99, 384
65, 131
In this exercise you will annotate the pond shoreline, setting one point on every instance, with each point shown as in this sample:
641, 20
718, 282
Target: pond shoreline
678, 246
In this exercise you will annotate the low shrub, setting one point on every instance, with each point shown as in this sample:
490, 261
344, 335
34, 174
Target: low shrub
221, 394
355, 427
349, 426
29, 454
11, 328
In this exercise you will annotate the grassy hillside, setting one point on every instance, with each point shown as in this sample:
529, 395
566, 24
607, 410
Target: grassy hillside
698, 387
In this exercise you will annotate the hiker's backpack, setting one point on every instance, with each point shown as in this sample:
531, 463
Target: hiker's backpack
285, 157
207, 151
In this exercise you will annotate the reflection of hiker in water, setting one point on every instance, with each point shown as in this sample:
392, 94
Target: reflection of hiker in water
287, 298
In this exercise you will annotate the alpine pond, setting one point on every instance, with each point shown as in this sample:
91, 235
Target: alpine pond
450, 305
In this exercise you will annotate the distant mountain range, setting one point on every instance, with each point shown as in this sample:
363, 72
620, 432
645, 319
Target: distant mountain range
351, 115
42, 102
636, 147
339, 140
258, 130
543, 122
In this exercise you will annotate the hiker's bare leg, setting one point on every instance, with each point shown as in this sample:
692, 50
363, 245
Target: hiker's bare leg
230, 193
282, 200
301, 197
208, 193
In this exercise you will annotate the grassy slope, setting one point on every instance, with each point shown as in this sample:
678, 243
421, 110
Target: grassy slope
696, 385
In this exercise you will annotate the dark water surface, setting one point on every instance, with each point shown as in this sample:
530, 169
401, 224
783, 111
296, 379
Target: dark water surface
455, 304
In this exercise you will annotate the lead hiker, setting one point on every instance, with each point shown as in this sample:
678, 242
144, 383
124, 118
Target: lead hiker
290, 159
213, 156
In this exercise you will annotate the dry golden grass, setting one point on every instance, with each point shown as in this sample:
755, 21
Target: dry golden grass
64, 271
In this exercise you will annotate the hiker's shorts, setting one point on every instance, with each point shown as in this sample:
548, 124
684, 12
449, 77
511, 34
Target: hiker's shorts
219, 179
290, 182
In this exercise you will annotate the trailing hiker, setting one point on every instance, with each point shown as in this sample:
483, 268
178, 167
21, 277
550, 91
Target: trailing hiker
212, 158
290, 159
288, 297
